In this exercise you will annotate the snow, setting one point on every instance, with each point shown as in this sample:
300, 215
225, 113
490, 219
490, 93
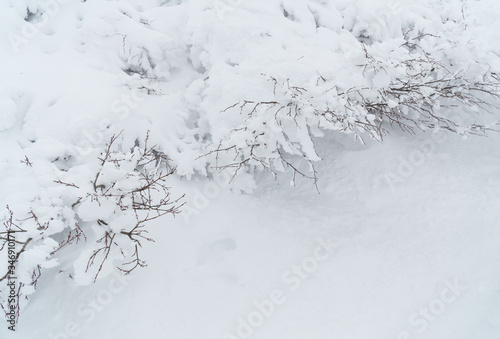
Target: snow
398, 239
8, 116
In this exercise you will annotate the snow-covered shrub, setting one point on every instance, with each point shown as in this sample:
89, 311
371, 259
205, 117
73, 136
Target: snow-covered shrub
407, 67
419, 95
100, 209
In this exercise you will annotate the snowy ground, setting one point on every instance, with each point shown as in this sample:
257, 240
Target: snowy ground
402, 240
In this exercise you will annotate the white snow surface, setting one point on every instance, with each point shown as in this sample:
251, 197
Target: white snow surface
400, 240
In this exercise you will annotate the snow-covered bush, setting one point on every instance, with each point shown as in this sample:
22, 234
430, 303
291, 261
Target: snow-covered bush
101, 209
419, 95
372, 69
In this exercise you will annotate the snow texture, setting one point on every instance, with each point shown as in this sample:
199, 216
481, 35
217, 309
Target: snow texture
379, 114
